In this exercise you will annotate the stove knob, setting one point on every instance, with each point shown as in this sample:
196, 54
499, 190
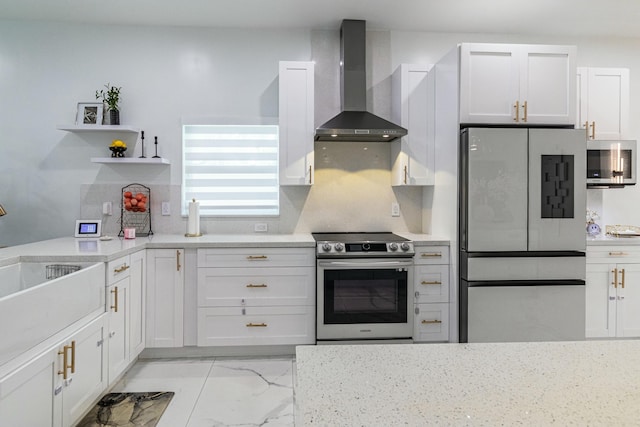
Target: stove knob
339, 247
326, 247
405, 246
393, 246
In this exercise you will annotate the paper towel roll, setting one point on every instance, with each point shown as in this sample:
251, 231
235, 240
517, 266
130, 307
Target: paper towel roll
193, 224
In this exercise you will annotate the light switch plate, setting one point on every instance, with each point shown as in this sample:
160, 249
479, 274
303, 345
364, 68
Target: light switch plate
395, 209
107, 208
166, 208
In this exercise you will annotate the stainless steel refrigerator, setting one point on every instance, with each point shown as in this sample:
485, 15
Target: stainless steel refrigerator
522, 234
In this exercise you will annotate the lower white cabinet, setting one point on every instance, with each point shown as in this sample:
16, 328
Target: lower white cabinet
431, 287
165, 298
57, 387
136, 303
117, 335
256, 296
613, 292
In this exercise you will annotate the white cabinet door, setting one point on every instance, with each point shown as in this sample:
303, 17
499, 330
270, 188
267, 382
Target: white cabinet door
165, 298
603, 102
489, 83
628, 300
296, 119
547, 84
137, 303
118, 340
88, 382
413, 108
517, 84
27, 394
600, 296
431, 322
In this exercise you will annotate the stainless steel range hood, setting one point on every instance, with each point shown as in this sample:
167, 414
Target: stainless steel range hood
355, 123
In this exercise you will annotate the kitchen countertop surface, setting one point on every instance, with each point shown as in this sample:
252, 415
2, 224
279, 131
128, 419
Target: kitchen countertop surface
77, 249
488, 384
608, 240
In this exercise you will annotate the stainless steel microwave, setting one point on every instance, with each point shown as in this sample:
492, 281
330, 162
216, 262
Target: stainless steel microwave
611, 163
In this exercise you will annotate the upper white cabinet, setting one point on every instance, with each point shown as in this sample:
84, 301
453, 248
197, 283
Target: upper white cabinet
413, 108
296, 118
603, 102
517, 84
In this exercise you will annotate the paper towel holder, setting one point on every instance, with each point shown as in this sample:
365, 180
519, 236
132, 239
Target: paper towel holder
194, 234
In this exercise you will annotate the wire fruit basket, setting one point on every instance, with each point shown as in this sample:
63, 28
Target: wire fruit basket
135, 211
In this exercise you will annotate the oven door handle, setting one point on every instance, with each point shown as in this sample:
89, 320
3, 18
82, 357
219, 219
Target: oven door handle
366, 264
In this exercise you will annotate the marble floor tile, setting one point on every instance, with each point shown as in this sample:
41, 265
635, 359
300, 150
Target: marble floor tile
184, 377
248, 392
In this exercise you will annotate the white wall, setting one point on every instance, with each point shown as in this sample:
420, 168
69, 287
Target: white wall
169, 74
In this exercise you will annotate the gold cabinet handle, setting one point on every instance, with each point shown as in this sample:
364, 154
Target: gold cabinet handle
593, 130
256, 325
406, 172
622, 273
121, 269
586, 127
524, 106
65, 360
310, 174
617, 253
434, 282
429, 322
251, 285
114, 291
178, 266
256, 257
615, 277
431, 254
517, 108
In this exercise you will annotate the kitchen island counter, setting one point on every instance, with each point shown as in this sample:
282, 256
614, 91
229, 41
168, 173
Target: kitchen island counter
541, 383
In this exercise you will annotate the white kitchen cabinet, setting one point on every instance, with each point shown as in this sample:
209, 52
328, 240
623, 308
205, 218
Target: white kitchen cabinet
432, 294
412, 156
137, 303
256, 296
117, 307
296, 122
517, 84
165, 298
613, 292
603, 102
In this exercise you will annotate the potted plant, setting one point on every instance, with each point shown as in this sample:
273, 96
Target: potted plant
111, 97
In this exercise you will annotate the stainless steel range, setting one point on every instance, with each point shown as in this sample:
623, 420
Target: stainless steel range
364, 287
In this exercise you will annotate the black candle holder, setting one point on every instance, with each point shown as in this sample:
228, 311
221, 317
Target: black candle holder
156, 143
142, 140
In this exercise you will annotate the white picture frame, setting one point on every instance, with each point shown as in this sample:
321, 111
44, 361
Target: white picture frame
90, 113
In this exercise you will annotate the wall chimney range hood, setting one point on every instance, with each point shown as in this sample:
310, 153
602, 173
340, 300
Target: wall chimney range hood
355, 123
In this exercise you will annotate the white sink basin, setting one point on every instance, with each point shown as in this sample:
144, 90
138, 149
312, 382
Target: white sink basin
34, 308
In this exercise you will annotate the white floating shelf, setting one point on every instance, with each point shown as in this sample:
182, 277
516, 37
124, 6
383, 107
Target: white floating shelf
98, 128
131, 160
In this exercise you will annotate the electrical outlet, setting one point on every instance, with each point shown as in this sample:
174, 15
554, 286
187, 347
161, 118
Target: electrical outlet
260, 227
107, 208
166, 208
395, 209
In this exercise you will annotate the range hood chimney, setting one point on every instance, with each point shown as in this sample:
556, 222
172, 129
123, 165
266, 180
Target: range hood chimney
355, 123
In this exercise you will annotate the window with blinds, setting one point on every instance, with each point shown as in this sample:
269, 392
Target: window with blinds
232, 170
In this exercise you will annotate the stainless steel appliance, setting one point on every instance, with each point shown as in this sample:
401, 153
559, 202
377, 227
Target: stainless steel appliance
521, 230
364, 287
611, 163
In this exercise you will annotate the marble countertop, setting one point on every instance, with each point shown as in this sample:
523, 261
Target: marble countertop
80, 249
488, 384
607, 240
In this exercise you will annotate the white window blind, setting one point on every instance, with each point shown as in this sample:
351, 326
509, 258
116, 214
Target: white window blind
232, 170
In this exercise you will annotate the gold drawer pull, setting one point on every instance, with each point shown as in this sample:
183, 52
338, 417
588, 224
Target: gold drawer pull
256, 325
255, 257
431, 254
121, 269
65, 360
622, 278
617, 253
431, 321
251, 285
615, 277
435, 282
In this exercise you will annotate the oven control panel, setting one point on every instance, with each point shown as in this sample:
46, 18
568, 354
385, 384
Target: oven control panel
372, 249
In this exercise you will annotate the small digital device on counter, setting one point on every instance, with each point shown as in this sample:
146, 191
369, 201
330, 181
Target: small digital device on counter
88, 228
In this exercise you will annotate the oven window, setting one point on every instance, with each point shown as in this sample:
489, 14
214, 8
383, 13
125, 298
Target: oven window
365, 296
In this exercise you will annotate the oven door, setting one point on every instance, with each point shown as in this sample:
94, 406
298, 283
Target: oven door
364, 299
